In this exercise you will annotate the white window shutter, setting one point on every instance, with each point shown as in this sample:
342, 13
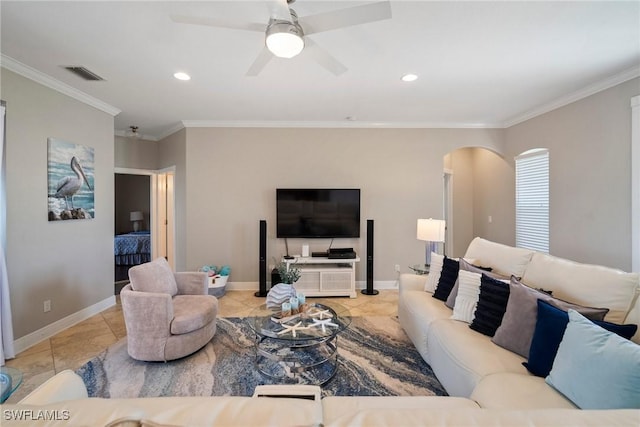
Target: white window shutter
532, 200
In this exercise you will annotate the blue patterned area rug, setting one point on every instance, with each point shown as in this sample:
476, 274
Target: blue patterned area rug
375, 355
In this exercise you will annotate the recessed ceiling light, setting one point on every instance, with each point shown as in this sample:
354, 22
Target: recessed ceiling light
182, 76
409, 78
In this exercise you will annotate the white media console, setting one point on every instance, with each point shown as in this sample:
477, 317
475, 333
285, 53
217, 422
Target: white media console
325, 277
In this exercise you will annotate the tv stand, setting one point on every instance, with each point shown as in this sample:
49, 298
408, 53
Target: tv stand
324, 277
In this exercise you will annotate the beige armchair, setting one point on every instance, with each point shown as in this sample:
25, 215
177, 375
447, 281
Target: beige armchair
168, 315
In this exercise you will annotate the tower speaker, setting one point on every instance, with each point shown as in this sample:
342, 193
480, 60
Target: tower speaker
262, 272
369, 289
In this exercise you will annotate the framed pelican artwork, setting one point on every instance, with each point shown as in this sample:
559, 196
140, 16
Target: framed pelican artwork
70, 177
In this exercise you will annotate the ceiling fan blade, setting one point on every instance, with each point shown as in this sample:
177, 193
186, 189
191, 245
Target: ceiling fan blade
218, 23
324, 58
261, 61
279, 9
346, 17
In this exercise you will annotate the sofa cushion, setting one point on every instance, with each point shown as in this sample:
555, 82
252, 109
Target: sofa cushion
192, 312
506, 390
434, 272
596, 368
492, 305
589, 285
469, 417
416, 312
549, 330
519, 321
468, 293
460, 357
448, 277
505, 260
154, 276
338, 408
225, 411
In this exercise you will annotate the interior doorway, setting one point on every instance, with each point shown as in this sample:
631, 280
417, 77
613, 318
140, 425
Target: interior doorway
155, 238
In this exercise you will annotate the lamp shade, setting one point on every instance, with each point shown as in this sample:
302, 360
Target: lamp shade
136, 216
431, 230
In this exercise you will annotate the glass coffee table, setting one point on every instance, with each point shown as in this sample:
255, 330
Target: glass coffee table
302, 348
10, 380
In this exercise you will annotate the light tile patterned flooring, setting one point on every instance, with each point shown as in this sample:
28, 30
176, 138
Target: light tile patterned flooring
74, 346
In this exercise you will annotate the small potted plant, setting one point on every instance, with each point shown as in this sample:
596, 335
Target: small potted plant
284, 290
288, 274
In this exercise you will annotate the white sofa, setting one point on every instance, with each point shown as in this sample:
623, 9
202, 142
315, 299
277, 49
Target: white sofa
469, 364
62, 401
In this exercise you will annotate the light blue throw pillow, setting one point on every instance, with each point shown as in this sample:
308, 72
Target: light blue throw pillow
595, 368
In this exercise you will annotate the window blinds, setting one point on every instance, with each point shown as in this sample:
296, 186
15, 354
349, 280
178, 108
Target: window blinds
532, 200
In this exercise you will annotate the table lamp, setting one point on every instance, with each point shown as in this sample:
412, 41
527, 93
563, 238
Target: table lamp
136, 217
431, 231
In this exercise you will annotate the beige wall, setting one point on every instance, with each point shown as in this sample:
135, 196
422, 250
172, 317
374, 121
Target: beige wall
589, 144
233, 173
461, 164
67, 262
172, 154
490, 172
136, 153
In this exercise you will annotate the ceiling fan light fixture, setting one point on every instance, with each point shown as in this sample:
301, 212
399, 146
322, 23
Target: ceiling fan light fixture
284, 39
133, 133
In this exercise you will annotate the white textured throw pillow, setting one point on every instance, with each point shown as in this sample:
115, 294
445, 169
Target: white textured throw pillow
434, 272
468, 296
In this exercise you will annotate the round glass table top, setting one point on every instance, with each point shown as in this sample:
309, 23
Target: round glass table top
10, 380
317, 321
420, 268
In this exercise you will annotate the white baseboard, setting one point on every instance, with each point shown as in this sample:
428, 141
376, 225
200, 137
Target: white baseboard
378, 284
253, 286
23, 343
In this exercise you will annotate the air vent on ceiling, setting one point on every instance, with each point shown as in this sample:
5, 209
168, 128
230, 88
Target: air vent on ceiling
84, 73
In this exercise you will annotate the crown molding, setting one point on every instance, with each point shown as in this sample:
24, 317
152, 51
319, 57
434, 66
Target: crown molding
332, 124
170, 131
592, 89
48, 81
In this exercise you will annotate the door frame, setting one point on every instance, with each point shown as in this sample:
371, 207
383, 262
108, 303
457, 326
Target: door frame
447, 207
161, 224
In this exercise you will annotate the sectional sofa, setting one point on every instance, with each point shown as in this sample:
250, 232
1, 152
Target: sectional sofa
487, 383
470, 364
62, 401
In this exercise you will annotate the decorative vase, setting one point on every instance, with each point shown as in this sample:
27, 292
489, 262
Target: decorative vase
280, 293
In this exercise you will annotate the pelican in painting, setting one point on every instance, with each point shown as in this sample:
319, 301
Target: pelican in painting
70, 185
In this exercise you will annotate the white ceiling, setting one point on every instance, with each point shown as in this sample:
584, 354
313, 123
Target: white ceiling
480, 64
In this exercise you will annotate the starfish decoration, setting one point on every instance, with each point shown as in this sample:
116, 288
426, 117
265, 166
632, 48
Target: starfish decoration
321, 314
324, 323
292, 329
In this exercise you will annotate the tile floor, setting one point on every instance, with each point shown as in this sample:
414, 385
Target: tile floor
74, 346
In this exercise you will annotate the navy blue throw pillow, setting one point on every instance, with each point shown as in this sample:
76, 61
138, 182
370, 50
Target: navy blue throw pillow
491, 306
548, 334
448, 277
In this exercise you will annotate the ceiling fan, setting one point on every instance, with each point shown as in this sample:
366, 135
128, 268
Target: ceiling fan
286, 35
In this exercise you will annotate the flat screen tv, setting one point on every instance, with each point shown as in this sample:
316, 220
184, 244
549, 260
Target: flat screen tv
317, 213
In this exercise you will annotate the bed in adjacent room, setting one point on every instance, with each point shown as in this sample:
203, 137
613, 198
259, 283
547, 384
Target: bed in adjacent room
131, 249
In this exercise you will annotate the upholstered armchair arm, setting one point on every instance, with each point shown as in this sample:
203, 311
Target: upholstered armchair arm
147, 314
191, 282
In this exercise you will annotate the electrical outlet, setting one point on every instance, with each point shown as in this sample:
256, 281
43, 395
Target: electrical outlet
397, 268
47, 306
